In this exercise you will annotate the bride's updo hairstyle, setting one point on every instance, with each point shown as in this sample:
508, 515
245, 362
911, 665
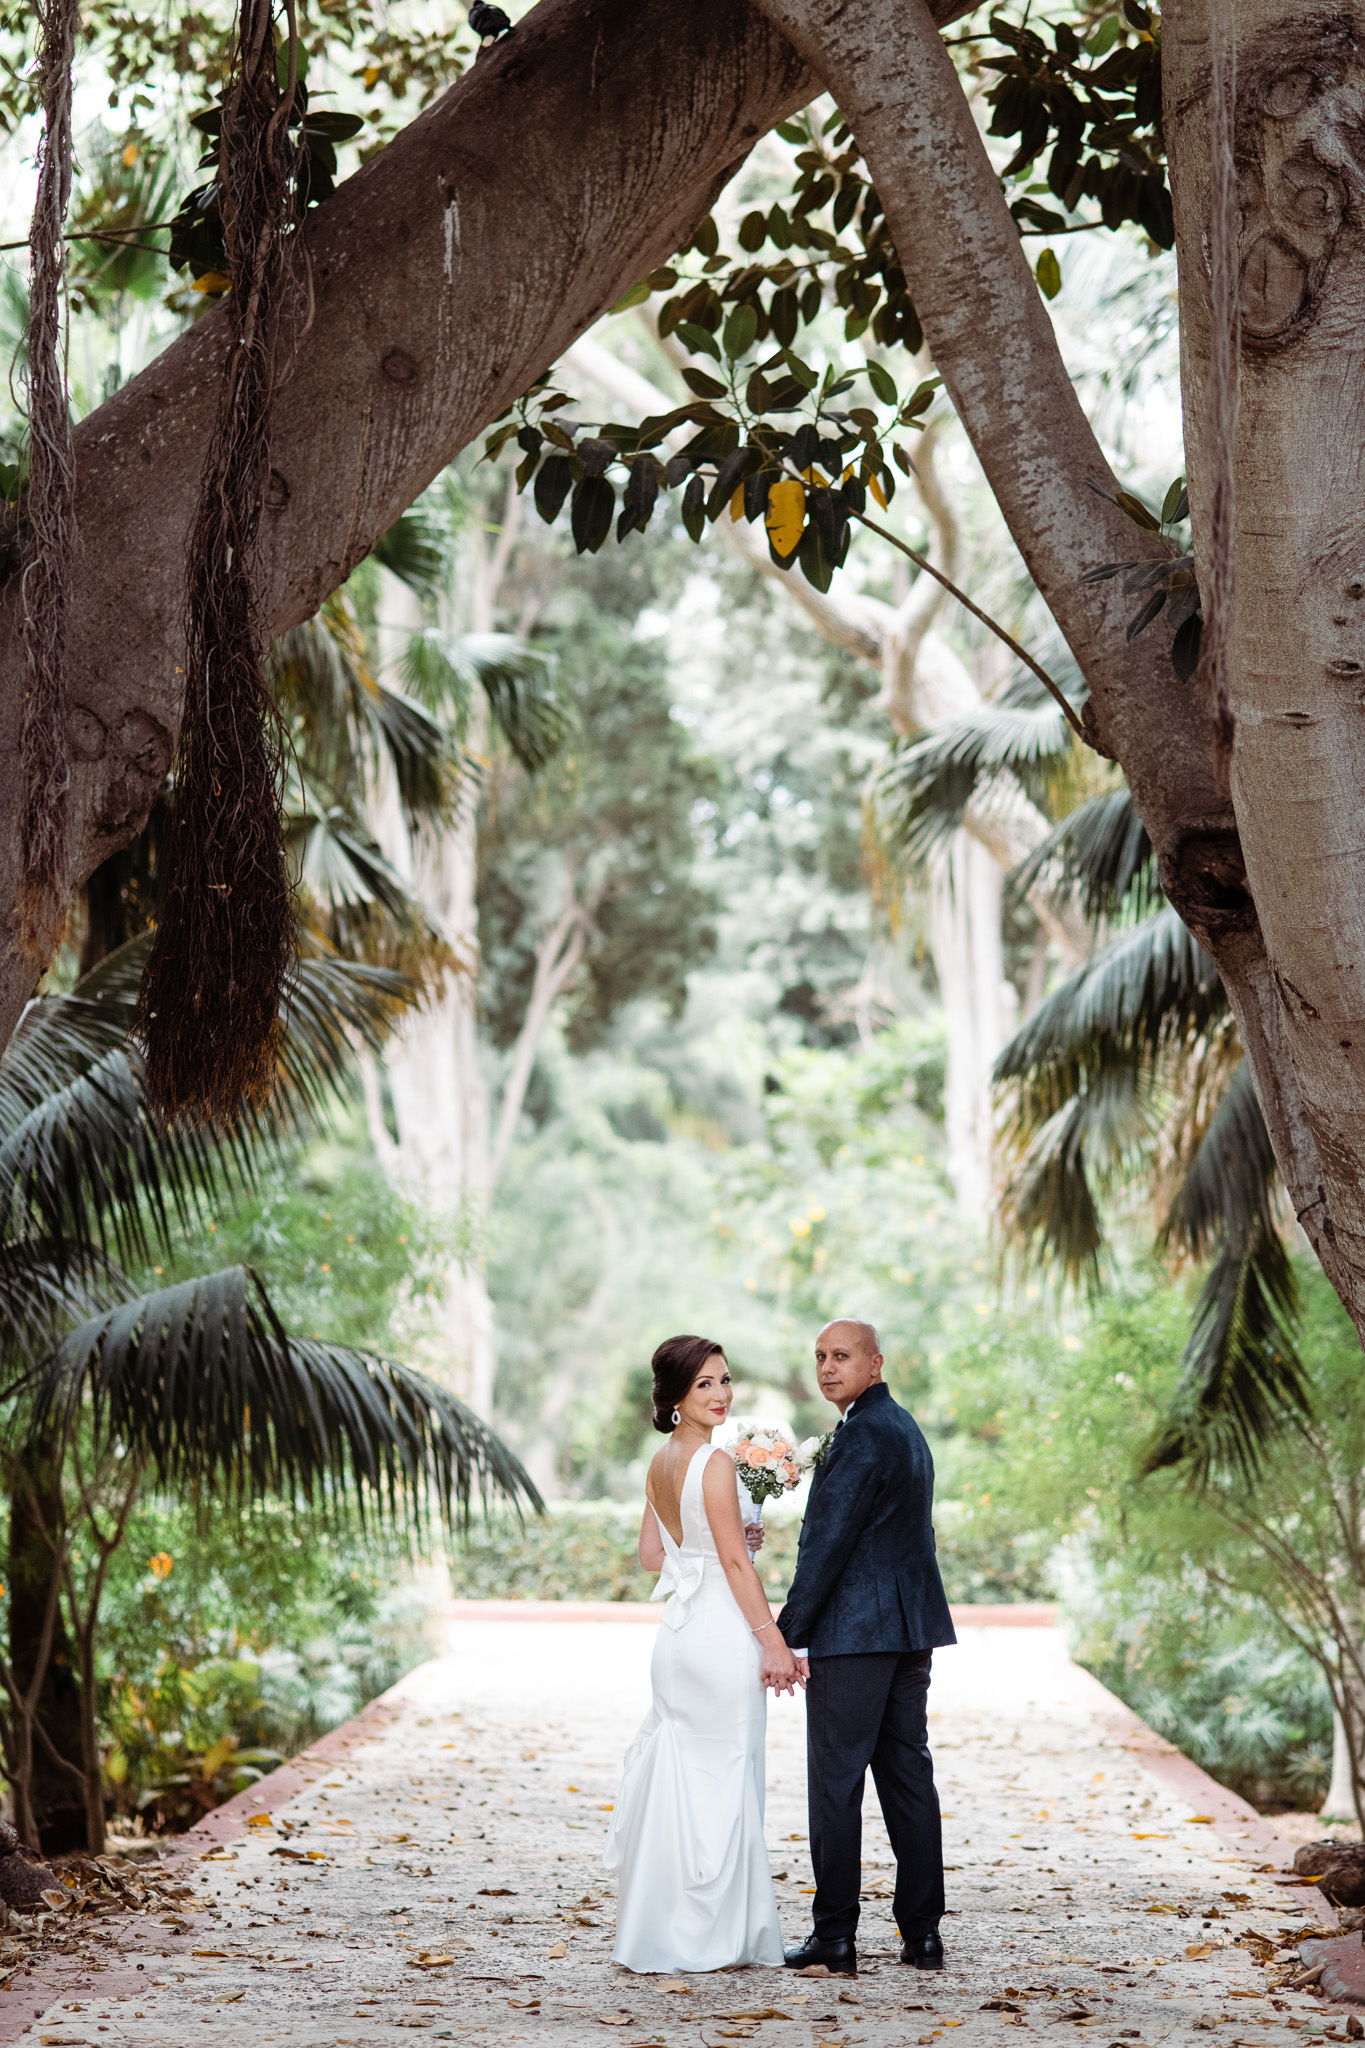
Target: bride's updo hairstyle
677, 1366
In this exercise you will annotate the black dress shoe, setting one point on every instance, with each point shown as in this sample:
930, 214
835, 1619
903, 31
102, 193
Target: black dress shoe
840, 1957
923, 1952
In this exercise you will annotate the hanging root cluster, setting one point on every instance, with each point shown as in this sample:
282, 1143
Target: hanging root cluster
210, 999
48, 541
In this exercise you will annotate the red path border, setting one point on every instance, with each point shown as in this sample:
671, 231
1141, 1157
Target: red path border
1235, 1822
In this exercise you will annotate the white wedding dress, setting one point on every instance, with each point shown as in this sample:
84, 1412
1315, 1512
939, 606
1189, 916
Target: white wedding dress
695, 1891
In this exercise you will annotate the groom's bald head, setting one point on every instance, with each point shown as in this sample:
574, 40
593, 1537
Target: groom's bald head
848, 1360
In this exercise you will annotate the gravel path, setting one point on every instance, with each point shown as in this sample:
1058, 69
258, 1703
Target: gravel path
441, 1875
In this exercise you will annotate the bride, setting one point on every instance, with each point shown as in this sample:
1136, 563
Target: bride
695, 1890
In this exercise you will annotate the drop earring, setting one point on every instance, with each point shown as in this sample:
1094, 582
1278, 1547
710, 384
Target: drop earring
676, 1418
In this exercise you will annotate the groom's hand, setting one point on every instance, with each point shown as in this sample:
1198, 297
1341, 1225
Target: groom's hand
803, 1671
778, 1668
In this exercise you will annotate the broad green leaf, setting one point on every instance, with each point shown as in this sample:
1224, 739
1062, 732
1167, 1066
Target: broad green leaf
636, 296
882, 382
741, 327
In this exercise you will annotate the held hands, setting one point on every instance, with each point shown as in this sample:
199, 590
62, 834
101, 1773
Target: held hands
779, 1668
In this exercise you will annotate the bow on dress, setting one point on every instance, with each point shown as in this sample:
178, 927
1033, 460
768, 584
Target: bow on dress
679, 1583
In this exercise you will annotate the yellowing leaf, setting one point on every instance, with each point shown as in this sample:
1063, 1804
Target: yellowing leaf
874, 484
558, 1952
737, 503
129, 155
1048, 272
213, 282
785, 518
1201, 1948
259, 1820
1200, 1820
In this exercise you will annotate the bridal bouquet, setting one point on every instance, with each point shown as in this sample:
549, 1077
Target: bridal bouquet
769, 1463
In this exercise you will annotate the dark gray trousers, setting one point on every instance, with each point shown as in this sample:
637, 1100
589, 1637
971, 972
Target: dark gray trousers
861, 1713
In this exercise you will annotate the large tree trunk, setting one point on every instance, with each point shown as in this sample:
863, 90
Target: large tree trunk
1295, 626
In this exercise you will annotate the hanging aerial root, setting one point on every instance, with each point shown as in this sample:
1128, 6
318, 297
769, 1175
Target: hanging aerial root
1216, 570
48, 526
209, 1006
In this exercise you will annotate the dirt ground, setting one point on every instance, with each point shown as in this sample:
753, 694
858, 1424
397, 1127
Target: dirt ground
442, 1875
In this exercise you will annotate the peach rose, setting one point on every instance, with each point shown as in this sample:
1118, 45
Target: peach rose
758, 1455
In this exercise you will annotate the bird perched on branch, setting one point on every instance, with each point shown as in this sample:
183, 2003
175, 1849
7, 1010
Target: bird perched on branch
488, 23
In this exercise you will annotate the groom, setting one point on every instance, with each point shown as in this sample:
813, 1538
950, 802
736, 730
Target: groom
868, 1600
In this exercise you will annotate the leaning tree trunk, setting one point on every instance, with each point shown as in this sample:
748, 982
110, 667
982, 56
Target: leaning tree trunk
1284, 430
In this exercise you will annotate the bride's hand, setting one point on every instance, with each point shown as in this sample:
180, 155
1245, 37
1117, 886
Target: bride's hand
754, 1536
779, 1667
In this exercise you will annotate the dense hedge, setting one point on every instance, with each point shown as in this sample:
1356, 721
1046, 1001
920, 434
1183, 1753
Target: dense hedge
585, 1550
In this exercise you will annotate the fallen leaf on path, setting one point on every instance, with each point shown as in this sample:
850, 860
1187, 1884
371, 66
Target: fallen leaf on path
230, 1997
1148, 1837
1200, 1820
293, 1855
221, 1953
259, 1820
676, 1984
432, 1962
613, 2019
525, 2004
496, 1892
814, 1970
558, 1952
1201, 1948
762, 2012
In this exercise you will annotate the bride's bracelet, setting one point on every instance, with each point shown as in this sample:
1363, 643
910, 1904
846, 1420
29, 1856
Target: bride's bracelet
761, 1626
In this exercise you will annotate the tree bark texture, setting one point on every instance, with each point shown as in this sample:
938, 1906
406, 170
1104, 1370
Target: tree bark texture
1295, 634
50, 1795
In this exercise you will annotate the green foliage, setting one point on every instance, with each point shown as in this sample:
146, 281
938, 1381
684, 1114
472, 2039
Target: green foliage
609, 824
1226, 1612
587, 1551
229, 1641
1254, 1713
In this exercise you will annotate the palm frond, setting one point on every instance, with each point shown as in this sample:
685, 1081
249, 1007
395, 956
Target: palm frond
1152, 990
923, 792
1098, 857
416, 549
42, 1292
1048, 1207
355, 897
1243, 1378
520, 682
199, 1382
82, 1162
344, 720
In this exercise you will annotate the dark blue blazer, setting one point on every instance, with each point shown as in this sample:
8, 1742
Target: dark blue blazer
867, 1575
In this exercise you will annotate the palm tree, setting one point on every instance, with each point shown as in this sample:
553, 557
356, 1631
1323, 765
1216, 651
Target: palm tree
1130, 1073
109, 1388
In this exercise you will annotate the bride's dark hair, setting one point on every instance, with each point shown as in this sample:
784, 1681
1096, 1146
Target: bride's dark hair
677, 1365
